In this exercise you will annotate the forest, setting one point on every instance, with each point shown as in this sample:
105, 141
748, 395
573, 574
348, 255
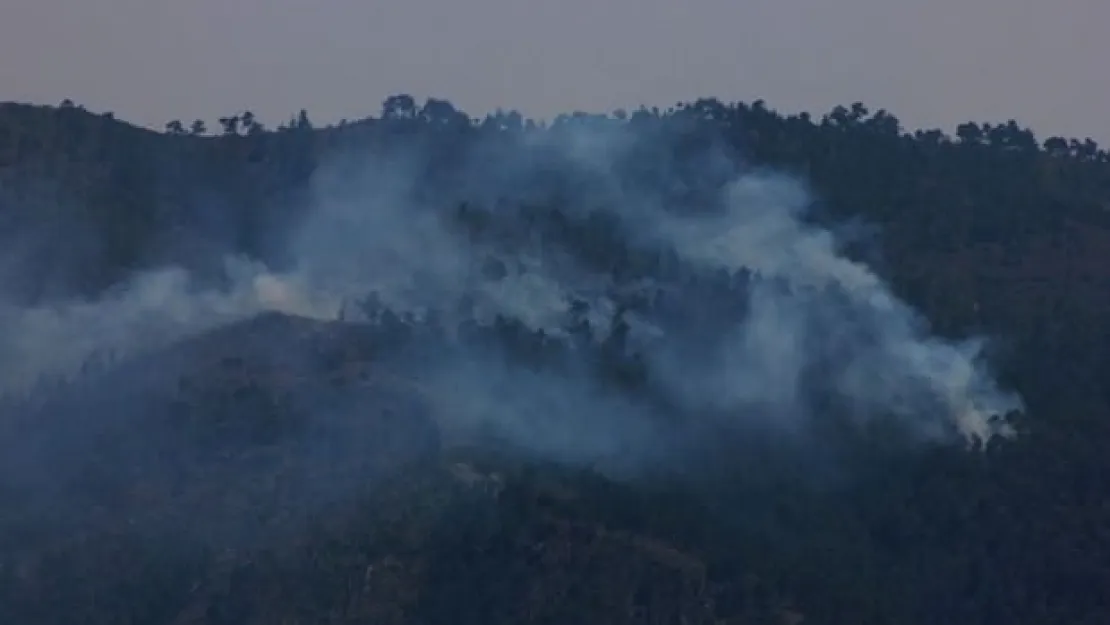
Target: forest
512, 398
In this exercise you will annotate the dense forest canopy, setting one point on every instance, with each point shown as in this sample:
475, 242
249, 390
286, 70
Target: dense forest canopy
721, 364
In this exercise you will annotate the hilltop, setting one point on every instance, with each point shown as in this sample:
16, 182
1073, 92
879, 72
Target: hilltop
493, 431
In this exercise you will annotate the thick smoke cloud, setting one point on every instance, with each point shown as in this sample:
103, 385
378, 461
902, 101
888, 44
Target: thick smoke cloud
813, 323
880, 355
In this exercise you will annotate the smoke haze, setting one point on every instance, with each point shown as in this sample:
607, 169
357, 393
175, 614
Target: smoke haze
808, 325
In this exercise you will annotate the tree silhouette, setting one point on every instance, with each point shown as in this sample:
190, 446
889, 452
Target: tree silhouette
230, 124
399, 107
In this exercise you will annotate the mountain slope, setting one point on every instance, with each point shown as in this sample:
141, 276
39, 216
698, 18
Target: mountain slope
264, 476
281, 468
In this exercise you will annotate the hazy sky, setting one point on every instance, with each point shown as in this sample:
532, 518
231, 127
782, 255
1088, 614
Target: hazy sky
931, 62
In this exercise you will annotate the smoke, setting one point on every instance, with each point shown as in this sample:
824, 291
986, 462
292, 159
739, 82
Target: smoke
873, 350
551, 210
148, 312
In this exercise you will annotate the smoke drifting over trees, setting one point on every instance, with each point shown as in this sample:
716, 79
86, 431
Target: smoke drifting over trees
684, 300
376, 224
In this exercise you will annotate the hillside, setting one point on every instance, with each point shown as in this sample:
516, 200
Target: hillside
257, 477
707, 365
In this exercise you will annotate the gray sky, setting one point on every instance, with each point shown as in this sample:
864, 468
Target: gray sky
931, 62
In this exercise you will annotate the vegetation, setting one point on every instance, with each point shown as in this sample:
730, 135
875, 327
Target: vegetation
989, 231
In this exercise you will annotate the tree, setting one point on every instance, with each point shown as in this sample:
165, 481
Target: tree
443, 113
230, 124
838, 117
303, 123
1088, 150
251, 124
884, 123
970, 133
401, 106
1056, 146
504, 121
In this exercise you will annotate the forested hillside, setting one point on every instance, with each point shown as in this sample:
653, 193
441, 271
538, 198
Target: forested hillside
993, 232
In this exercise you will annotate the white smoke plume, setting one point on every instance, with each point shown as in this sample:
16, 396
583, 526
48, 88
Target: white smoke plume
372, 229
899, 370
